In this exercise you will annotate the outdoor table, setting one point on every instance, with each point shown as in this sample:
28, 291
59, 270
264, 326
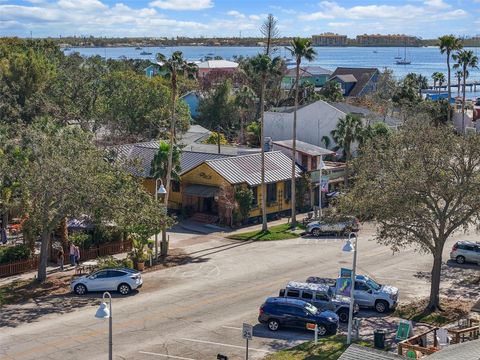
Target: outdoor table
86, 267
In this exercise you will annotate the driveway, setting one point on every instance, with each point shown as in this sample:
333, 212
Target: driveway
195, 311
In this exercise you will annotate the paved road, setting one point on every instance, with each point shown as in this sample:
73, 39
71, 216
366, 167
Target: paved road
195, 311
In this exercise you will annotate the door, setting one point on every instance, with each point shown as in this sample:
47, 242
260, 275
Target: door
98, 281
362, 295
299, 317
113, 279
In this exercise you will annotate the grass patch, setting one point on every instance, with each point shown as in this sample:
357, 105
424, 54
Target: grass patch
453, 310
330, 348
278, 232
23, 290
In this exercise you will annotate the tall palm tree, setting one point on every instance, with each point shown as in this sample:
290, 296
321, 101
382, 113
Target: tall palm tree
244, 101
264, 65
447, 44
434, 78
348, 130
174, 67
459, 75
465, 59
300, 49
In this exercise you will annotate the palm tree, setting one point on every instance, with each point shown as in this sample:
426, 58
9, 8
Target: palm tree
434, 78
348, 130
175, 66
244, 100
299, 48
447, 44
264, 65
159, 165
459, 75
465, 59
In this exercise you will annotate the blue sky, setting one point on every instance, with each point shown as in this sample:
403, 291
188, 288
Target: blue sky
425, 18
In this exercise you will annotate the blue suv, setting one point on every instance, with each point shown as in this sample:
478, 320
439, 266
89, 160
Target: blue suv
282, 312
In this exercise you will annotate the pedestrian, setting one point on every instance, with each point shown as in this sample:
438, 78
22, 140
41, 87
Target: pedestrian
3, 236
72, 254
77, 255
60, 258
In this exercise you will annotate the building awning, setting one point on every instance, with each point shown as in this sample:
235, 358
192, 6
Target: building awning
201, 191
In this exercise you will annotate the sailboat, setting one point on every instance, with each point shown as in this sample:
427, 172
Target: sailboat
398, 55
404, 61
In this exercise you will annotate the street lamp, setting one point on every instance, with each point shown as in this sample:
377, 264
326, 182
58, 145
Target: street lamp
349, 247
105, 312
162, 191
321, 166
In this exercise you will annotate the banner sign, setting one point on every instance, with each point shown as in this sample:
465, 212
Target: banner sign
324, 183
344, 286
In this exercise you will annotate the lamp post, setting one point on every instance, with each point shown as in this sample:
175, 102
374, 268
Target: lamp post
321, 166
349, 247
105, 312
162, 191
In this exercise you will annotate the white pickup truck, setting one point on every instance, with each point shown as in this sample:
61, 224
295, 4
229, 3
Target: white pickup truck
367, 292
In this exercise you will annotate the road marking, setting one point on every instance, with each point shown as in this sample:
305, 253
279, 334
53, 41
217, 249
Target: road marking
231, 327
165, 355
226, 345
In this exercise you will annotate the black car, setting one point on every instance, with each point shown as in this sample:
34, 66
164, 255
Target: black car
282, 312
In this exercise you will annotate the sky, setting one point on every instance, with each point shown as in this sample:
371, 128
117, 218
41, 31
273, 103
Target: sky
225, 18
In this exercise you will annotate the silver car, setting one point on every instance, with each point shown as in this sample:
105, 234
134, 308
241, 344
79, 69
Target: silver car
345, 226
466, 251
122, 280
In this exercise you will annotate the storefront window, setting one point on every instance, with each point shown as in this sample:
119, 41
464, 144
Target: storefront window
271, 193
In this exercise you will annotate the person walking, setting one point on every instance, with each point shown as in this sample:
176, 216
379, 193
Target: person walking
72, 254
77, 255
61, 258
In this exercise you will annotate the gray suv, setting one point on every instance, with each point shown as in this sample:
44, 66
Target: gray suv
320, 296
466, 251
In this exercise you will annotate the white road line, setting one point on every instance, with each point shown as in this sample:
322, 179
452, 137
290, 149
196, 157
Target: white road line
165, 355
226, 345
231, 327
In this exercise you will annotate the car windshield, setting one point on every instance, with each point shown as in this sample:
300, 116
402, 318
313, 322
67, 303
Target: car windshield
312, 309
373, 284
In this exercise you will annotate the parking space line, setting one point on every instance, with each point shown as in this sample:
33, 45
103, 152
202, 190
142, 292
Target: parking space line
226, 345
165, 355
231, 327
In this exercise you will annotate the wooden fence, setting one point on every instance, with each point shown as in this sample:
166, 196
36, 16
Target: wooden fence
19, 267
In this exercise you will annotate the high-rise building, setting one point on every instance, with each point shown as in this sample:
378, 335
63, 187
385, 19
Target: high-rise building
387, 40
329, 39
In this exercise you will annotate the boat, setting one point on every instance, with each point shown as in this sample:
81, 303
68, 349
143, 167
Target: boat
398, 55
138, 48
210, 54
145, 53
375, 51
404, 61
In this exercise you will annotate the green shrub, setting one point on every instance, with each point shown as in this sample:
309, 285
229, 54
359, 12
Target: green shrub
213, 139
80, 239
113, 263
14, 253
128, 263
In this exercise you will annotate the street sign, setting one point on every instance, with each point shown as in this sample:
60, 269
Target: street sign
404, 330
247, 331
324, 183
344, 272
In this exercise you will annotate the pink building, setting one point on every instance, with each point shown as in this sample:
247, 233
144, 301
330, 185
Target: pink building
216, 65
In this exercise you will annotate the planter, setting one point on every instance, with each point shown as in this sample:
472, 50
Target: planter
140, 266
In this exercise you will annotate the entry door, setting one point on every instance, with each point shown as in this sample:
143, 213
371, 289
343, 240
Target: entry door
207, 205
361, 295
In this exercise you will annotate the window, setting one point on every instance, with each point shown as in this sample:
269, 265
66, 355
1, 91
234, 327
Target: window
255, 196
287, 189
271, 193
467, 247
175, 186
304, 160
321, 297
314, 163
101, 275
115, 273
296, 311
307, 295
361, 286
293, 293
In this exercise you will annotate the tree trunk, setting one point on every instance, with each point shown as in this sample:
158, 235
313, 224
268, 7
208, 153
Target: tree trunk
463, 102
347, 161
262, 146
171, 139
64, 234
449, 113
294, 147
42, 265
434, 301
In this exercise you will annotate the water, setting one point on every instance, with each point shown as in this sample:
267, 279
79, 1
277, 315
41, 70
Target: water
425, 60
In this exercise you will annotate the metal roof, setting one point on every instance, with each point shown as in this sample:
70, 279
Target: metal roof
217, 64
307, 71
247, 168
304, 147
307, 286
357, 352
469, 350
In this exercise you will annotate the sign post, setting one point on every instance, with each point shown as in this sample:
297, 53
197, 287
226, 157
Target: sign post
247, 334
314, 327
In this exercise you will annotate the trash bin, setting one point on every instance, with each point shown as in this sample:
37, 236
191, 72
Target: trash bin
379, 338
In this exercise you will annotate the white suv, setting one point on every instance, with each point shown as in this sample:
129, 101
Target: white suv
466, 251
122, 280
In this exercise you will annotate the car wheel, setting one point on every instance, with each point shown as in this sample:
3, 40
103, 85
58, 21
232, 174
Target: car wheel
80, 289
343, 316
321, 330
316, 232
460, 259
124, 289
381, 306
273, 325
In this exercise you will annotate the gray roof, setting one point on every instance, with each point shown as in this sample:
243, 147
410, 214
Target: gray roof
356, 352
306, 71
352, 109
304, 147
469, 350
361, 75
247, 168
348, 78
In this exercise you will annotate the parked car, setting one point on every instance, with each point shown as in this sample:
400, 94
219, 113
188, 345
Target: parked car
279, 312
320, 296
338, 227
367, 292
122, 280
466, 251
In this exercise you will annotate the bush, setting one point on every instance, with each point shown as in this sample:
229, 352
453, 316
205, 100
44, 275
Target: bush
112, 263
80, 239
14, 253
213, 139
